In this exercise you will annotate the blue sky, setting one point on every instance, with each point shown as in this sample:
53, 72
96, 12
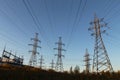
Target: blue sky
66, 18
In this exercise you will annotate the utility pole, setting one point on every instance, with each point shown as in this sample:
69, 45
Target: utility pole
101, 61
33, 59
41, 62
59, 64
52, 64
87, 61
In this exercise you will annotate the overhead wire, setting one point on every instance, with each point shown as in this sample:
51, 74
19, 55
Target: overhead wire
110, 8
12, 41
73, 27
15, 24
50, 22
114, 15
36, 21
49, 18
12, 23
113, 41
83, 9
105, 6
112, 5
31, 14
79, 18
18, 27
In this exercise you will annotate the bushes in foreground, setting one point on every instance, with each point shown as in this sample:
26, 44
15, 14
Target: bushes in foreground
29, 73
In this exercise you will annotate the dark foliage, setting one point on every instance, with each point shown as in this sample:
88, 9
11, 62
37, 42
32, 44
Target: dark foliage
8, 72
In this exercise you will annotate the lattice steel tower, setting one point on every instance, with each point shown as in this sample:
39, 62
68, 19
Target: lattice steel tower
33, 59
87, 62
101, 61
41, 62
52, 64
59, 64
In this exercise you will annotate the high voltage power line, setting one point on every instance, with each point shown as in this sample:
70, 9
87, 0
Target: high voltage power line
49, 18
74, 27
109, 6
17, 27
36, 21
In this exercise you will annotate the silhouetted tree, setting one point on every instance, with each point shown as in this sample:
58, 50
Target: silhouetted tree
71, 71
77, 69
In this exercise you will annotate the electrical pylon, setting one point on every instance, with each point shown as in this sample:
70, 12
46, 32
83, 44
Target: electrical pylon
41, 62
52, 64
101, 61
33, 59
87, 61
59, 64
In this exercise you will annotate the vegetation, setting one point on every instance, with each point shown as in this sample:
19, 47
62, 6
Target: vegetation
8, 72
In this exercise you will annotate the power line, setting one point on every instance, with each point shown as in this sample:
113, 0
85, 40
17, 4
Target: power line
49, 18
83, 9
110, 8
36, 21
17, 27
73, 27
31, 14
12, 41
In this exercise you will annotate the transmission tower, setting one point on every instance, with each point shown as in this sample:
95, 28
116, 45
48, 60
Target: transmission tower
52, 65
101, 61
59, 64
87, 61
41, 61
33, 59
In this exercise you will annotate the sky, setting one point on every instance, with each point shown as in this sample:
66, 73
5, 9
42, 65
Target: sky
21, 19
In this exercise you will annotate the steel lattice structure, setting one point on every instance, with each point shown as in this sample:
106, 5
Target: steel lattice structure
101, 61
33, 59
41, 62
52, 64
59, 64
87, 62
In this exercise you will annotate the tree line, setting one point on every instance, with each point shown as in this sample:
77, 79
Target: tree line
9, 72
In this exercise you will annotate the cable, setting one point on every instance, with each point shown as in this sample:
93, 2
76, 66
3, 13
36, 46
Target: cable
73, 27
114, 15
35, 19
49, 18
12, 41
83, 9
110, 8
17, 27
13, 24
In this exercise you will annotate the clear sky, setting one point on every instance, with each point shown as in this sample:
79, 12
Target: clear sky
53, 18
